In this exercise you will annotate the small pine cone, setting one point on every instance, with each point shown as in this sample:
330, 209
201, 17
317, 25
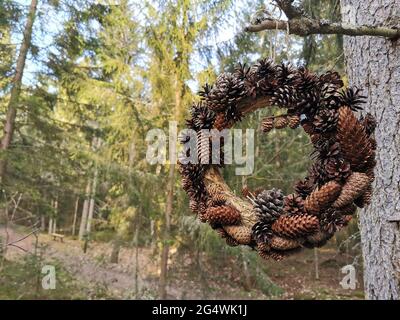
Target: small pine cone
354, 187
325, 120
337, 169
293, 121
280, 243
322, 198
214, 189
263, 246
304, 188
241, 234
246, 192
224, 215
365, 198
293, 204
220, 122
280, 122
317, 239
231, 242
217, 200
261, 232
193, 205
369, 122
268, 204
295, 226
267, 124
202, 217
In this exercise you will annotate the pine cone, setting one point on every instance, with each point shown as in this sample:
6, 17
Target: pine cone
224, 215
369, 122
261, 232
293, 121
304, 188
280, 243
293, 204
354, 187
325, 120
352, 99
332, 221
226, 91
318, 239
322, 198
354, 142
337, 169
295, 226
202, 117
308, 128
365, 198
267, 124
280, 122
221, 123
263, 246
231, 242
347, 210
269, 204
241, 234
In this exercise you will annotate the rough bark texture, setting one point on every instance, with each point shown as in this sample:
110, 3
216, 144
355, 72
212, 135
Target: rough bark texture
374, 65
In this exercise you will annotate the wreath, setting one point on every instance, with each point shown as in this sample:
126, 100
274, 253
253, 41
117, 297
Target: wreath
339, 180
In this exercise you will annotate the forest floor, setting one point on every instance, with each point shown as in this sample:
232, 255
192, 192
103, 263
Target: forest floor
94, 277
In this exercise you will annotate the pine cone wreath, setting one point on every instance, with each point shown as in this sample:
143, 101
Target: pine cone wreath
295, 226
339, 180
269, 204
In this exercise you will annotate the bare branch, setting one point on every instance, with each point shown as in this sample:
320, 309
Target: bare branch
299, 24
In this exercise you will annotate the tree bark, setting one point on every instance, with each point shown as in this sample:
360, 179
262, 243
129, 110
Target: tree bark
9, 125
374, 65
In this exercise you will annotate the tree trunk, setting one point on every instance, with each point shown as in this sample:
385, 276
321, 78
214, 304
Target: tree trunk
92, 201
162, 290
75, 216
374, 64
85, 209
9, 125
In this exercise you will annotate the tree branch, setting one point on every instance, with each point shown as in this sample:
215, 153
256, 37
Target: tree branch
299, 24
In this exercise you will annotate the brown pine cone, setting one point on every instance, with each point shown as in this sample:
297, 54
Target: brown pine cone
231, 242
193, 205
365, 198
354, 142
322, 198
224, 215
241, 234
203, 147
280, 122
308, 128
264, 254
304, 187
325, 120
280, 243
267, 124
293, 204
263, 246
317, 239
337, 169
295, 226
354, 187
348, 210
293, 121
220, 122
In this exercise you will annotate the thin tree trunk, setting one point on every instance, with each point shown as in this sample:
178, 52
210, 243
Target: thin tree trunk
92, 201
42, 223
316, 263
162, 290
9, 125
85, 209
374, 65
75, 216
50, 225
